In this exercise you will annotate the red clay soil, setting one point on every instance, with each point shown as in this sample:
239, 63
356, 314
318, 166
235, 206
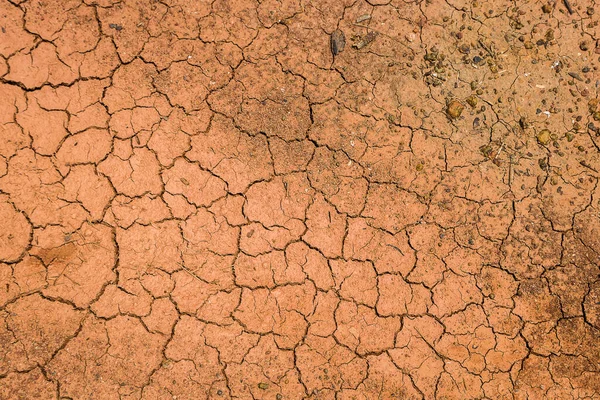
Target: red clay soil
299, 199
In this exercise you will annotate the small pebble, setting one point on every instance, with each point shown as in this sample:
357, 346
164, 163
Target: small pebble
472, 101
543, 137
454, 109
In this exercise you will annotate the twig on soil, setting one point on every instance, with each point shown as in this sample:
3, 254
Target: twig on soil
383, 34
499, 150
584, 164
486, 48
193, 275
568, 5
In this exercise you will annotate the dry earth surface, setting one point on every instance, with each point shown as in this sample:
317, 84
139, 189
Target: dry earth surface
299, 199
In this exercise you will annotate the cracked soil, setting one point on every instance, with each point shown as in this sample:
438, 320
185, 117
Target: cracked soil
299, 199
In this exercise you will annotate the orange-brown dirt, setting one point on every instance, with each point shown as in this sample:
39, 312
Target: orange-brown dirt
299, 199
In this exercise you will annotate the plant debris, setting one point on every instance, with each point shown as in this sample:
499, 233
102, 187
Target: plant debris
365, 40
337, 42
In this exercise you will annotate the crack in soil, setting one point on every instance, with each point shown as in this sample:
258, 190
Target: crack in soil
199, 200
